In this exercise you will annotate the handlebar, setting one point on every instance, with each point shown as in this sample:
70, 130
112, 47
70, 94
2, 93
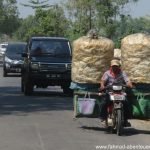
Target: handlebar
91, 93
110, 87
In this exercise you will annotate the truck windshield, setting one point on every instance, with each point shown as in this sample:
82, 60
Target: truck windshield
50, 47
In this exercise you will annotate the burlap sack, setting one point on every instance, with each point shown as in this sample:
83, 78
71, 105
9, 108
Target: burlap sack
91, 57
135, 50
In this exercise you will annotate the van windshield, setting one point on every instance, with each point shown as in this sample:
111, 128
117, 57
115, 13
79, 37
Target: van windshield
50, 47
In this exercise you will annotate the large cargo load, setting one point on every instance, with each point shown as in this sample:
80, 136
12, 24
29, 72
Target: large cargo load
91, 58
135, 54
117, 53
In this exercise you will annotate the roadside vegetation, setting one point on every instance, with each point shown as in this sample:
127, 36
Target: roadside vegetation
72, 19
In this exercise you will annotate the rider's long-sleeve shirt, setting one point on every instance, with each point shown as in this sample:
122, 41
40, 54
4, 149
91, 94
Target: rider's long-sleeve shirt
110, 78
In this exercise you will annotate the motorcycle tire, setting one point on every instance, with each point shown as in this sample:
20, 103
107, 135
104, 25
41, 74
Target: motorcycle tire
119, 122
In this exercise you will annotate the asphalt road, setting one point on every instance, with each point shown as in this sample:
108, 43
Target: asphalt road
45, 121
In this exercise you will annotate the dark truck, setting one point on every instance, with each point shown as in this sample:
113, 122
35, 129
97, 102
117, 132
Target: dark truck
47, 62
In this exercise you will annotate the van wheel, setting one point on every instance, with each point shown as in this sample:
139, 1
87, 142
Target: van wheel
28, 88
4, 73
67, 91
22, 85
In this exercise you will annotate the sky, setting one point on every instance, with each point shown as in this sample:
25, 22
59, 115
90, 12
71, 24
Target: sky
26, 11
139, 9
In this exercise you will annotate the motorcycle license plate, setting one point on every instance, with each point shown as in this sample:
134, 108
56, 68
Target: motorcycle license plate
117, 97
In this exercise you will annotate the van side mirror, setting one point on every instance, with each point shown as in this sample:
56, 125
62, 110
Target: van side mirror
24, 55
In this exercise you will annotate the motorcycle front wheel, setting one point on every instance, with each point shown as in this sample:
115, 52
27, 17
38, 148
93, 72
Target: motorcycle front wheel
119, 122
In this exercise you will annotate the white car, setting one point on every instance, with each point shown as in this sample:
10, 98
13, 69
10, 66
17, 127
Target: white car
12, 58
3, 48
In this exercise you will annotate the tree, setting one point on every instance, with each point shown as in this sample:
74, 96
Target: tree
100, 14
9, 20
25, 26
35, 4
81, 14
128, 25
50, 22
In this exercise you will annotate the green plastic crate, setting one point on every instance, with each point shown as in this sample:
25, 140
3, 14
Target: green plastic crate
141, 104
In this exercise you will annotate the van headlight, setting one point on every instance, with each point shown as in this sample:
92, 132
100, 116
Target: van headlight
68, 66
34, 66
8, 60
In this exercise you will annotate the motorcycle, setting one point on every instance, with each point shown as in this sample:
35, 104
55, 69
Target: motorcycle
115, 110
115, 121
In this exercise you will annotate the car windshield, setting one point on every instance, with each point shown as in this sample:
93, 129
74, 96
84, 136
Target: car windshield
13, 49
50, 48
4, 46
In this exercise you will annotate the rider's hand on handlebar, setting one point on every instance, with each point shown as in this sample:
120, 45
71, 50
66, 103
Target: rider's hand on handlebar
129, 85
102, 87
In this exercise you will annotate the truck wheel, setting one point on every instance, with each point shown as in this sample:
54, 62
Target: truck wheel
28, 88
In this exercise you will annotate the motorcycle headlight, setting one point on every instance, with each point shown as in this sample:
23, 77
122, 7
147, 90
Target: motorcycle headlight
35, 66
68, 66
117, 88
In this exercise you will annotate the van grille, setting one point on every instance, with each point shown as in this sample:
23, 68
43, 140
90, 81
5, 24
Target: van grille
53, 67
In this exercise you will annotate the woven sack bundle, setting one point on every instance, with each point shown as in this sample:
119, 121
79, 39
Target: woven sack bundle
135, 53
91, 57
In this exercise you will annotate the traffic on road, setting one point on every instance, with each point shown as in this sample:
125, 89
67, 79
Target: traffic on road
45, 121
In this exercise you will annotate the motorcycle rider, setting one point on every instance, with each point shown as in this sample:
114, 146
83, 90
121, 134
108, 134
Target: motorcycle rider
113, 75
